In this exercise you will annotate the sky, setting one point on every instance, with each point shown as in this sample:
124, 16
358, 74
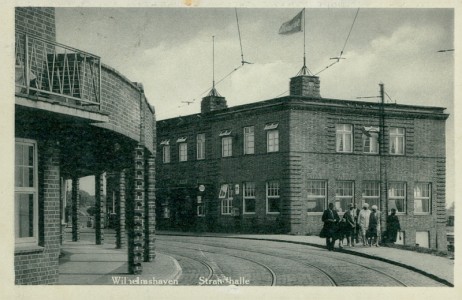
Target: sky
169, 50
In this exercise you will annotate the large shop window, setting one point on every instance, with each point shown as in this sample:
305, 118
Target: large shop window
343, 195
273, 200
397, 196
317, 196
226, 199
200, 139
344, 137
371, 193
249, 140
422, 198
397, 141
26, 193
249, 198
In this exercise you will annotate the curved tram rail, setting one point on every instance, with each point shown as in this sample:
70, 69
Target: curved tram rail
211, 270
327, 273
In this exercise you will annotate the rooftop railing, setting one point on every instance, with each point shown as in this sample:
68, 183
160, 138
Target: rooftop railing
58, 72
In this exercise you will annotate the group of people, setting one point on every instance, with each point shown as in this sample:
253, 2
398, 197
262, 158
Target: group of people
357, 225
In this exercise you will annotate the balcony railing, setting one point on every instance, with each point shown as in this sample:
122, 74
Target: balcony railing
50, 70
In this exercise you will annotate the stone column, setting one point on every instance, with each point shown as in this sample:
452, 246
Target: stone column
99, 204
75, 209
120, 211
150, 211
135, 214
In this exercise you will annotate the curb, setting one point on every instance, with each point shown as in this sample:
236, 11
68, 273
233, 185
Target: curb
422, 272
178, 268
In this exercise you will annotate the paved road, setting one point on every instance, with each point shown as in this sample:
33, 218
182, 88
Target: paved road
209, 260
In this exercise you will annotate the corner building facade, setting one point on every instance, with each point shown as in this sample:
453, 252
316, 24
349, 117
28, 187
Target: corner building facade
273, 166
75, 117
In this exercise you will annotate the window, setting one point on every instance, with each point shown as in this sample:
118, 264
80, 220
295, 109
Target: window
371, 193
317, 195
165, 211
226, 199
397, 141
226, 146
249, 140
248, 198
166, 154
272, 137
26, 193
272, 197
200, 207
183, 151
200, 210
397, 196
422, 198
344, 137
200, 139
370, 138
343, 195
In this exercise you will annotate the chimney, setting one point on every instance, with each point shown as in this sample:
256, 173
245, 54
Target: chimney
305, 85
213, 101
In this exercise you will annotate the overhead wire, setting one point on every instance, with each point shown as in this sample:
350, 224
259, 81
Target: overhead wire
391, 100
229, 74
344, 45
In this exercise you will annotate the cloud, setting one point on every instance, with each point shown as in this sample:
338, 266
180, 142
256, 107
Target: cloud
406, 62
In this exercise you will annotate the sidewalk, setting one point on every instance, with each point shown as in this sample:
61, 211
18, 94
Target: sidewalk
86, 263
436, 267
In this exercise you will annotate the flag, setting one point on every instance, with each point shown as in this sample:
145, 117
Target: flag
292, 26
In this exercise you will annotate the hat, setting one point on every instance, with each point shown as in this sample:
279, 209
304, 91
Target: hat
366, 205
374, 207
351, 205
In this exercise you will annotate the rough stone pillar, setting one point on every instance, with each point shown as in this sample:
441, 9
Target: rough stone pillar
99, 204
75, 209
120, 211
135, 214
150, 211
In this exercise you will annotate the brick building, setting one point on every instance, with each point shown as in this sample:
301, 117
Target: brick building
74, 117
273, 166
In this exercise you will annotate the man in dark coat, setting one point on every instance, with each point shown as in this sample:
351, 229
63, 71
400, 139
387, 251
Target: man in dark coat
393, 226
330, 218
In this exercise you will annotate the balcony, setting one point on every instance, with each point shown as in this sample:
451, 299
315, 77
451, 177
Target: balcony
57, 73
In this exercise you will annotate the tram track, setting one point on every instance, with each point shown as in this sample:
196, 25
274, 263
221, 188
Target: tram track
331, 280
327, 273
209, 268
264, 266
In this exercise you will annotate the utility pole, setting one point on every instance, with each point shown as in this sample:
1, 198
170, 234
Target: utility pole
383, 163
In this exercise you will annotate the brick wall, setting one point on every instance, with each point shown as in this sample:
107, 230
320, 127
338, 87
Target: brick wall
148, 124
40, 265
121, 100
215, 170
39, 21
313, 141
307, 152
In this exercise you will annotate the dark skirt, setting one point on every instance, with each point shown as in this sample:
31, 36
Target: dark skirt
372, 232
